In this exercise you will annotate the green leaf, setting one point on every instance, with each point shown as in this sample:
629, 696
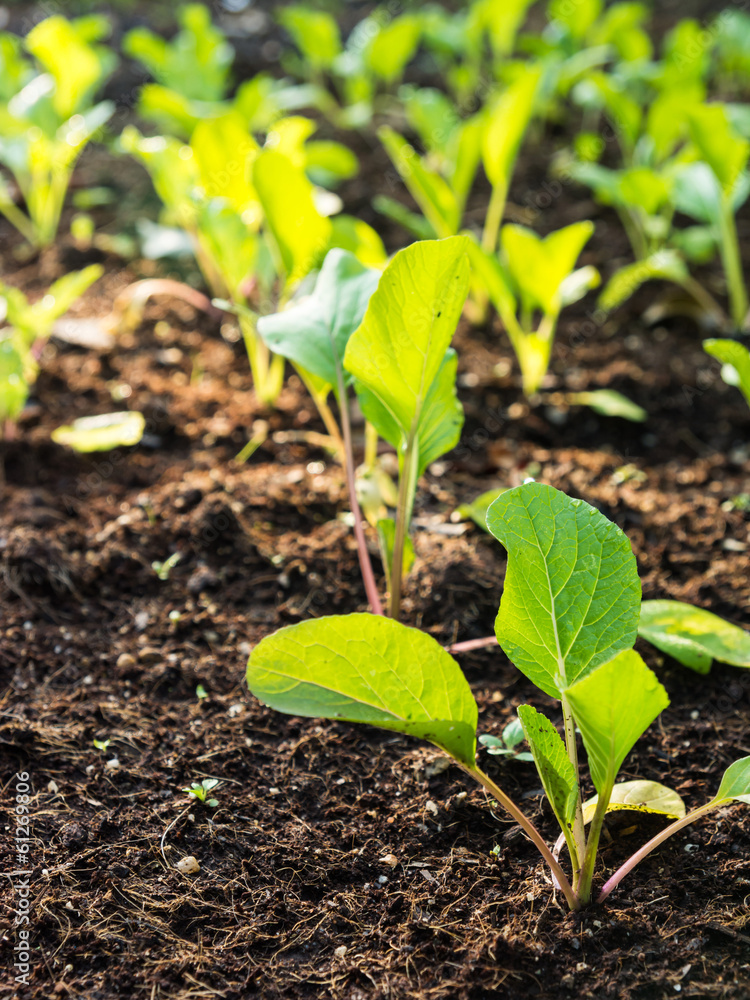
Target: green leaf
222, 148
13, 387
393, 46
731, 352
329, 162
639, 796
400, 346
666, 265
552, 762
644, 189
314, 32
395, 210
430, 191
610, 404
613, 706
77, 67
539, 267
195, 63
693, 636
367, 668
719, 145
697, 192
508, 119
314, 332
736, 782
477, 509
104, 432
513, 733
301, 233
572, 595
440, 422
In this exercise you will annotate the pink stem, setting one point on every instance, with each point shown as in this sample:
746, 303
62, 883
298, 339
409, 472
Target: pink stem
140, 291
466, 647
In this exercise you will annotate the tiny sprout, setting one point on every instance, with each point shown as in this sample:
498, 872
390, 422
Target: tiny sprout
174, 617
200, 692
102, 744
506, 744
199, 790
163, 569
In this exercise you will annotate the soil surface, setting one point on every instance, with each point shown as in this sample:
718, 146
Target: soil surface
343, 862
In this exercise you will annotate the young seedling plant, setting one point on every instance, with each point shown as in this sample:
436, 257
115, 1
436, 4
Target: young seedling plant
568, 619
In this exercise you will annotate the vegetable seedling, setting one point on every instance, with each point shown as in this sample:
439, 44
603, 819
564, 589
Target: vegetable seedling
199, 790
568, 619
48, 118
529, 285
29, 326
163, 569
506, 745
405, 371
102, 744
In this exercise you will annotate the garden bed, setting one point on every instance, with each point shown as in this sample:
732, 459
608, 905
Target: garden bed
346, 862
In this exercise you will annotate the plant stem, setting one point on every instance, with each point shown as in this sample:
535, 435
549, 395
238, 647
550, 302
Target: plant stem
494, 218
579, 833
730, 257
592, 845
470, 644
365, 566
536, 838
403, 516
706, 301
655, 842
326, 414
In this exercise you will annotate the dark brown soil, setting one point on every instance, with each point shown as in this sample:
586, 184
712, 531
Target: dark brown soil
344, 862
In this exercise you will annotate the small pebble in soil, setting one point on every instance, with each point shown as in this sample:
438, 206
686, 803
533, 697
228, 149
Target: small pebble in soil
125, 660
188, 865
389, 859
52, 787
340, 951
113, 764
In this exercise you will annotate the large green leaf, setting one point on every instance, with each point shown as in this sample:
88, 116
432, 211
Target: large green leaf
367, 668
693, 636
737, 356
76, 66
736, 782
572, 594
552, 762
397, 351
314, 32
393, 46
314, 333
301, 233
613, 706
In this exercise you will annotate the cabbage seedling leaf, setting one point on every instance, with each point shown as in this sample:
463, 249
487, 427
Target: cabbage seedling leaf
398, 350
613, 706
736, 782
572, 594
609, 403
314, 332
102, 432
552, 762
639, 796
368, 668
540, 266
693, 636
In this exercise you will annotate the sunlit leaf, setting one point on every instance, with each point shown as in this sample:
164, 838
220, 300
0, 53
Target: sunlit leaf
639, 796
104, 432
693, 636
553, 764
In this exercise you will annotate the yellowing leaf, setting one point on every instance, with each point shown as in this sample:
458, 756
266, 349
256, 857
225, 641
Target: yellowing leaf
639, 796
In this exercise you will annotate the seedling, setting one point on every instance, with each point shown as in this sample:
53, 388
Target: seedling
405, 371
735, 359
48, 118
199, 790
200, 692
29, 327
529, 285
506, 745
163, 569
102, 745
568, 619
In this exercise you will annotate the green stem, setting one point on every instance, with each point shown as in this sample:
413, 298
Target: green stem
634, 233
267, 369
371, 446
406, 488
592, 846
732, 261
494, 217
326, 414
655, 842
706, 301
21, 222
528, 827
